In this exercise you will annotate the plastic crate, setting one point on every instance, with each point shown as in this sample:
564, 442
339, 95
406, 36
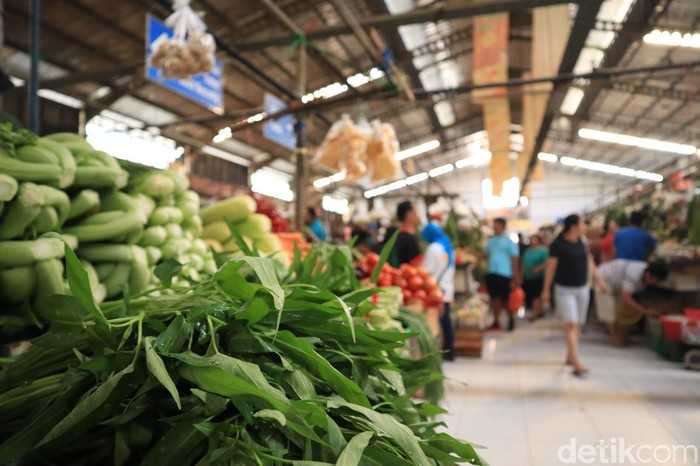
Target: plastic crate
692, 314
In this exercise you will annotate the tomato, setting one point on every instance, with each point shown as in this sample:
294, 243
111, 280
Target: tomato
435, 297
419, 295
375, 298
408, 273
372, 259
429, 284
407, 296
400, 282
384, 280
421, 272
415, 283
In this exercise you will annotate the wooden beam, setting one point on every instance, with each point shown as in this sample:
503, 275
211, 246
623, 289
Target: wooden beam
432, 13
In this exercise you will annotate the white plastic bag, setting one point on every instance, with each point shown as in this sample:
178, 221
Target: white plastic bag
190, 51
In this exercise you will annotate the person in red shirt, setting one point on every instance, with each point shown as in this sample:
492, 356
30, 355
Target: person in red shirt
607, 243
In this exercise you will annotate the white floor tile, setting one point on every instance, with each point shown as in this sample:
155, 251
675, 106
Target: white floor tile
523, 405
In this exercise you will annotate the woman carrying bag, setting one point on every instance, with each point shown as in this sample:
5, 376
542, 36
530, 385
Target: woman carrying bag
569, 268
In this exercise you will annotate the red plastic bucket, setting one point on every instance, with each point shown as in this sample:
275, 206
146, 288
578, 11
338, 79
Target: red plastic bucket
673, 327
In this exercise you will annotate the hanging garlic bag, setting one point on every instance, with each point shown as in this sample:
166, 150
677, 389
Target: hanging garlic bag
190, 50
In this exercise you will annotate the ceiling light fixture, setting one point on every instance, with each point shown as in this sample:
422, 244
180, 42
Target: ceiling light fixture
611, 169
635, 141
441, 170
417, 178
222, 154
417, 150
672, 38
547, 157
273, 183
336, 205
325, 181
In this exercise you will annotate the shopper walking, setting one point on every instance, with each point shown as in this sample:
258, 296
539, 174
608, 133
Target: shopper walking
406, 250
569, 268
534, 260
503, 271
633, 242
439, 262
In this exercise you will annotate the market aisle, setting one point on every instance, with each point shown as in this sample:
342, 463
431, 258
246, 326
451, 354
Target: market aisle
523, 404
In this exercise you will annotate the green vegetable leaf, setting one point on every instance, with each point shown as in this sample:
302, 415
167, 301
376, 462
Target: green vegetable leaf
348, 316
166, 270
243, 369
395, 380
335, 435
240, 242
157, 368
121, 448
387, 426
80, 287
304, 353
386, 251
265, 270
87, 405
352, 454
173, 338
234, 283
301, 385
272, 414
255, 310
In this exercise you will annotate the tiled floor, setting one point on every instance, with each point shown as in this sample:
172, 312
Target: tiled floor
522, 404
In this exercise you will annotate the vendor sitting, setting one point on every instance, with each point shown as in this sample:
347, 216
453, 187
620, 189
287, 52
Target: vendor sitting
625, 278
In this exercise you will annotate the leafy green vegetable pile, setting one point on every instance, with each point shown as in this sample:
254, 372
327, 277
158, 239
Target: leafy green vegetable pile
246, 368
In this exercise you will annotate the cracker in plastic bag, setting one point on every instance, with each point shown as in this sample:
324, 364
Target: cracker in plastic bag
381, 152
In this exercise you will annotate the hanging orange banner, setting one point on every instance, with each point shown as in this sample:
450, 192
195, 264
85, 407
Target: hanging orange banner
550, 30
490, 56
497, 124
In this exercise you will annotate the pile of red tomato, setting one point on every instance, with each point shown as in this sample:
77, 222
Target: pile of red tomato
415, 283
267, 207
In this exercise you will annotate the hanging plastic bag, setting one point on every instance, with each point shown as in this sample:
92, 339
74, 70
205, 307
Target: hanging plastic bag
344, 148
381, 152
190, 50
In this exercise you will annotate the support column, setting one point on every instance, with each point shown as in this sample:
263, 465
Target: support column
2, 42
32, 96
301, 184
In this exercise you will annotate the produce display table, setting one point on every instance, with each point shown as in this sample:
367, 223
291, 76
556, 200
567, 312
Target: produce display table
685, 274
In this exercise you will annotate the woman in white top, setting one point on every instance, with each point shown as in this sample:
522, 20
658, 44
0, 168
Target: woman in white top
439, 262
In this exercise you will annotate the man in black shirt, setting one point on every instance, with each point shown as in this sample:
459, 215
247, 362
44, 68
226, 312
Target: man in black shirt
406, 249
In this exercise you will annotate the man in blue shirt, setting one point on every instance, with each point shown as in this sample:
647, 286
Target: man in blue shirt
503, 271
634, 242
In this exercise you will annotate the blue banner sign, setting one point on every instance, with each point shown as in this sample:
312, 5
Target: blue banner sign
280, 130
